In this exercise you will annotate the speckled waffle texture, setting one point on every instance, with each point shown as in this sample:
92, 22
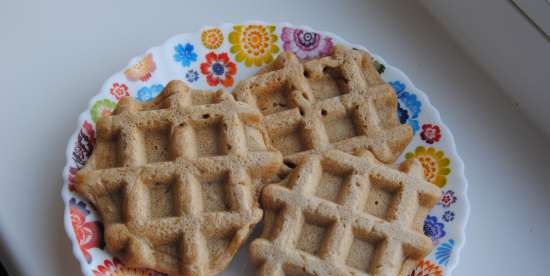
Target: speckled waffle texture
331, 212
339, 101
173, 179
339, 214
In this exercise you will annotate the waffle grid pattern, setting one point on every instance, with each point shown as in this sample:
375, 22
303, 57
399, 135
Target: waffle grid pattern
393, 235
338, 102
322, 114
176, 241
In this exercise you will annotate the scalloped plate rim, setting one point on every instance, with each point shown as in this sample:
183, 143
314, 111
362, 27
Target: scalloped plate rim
461, 239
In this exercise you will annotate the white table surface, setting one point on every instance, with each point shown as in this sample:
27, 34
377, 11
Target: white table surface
55, 55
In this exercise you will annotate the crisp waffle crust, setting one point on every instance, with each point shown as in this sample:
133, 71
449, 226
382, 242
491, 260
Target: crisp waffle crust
339, 214
338, 101
335, 207
174, 179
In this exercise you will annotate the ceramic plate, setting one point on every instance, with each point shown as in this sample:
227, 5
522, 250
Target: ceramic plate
205, 60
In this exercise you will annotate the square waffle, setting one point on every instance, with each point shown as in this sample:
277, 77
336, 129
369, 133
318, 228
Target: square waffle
338, 101
173, 179
339, 214
330, 211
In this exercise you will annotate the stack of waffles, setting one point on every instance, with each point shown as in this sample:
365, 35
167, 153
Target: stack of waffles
306, 146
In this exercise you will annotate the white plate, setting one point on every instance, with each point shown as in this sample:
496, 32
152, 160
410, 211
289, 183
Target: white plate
181, 56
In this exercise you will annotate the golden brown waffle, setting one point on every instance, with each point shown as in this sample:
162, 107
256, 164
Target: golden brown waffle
173, 179
337, 102
339, 214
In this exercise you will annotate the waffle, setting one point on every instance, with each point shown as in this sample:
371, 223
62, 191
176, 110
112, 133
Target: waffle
338, 101
173, 179
340, 214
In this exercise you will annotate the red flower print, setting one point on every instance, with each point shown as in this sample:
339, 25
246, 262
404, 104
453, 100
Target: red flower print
218, 69
448, 198
88, 233
119, 90
426, 268
430, 133
115, 267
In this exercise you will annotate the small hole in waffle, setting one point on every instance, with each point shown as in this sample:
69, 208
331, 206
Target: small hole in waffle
379, 200
332, 84
289, 164
208, 139
156, 144
273, 101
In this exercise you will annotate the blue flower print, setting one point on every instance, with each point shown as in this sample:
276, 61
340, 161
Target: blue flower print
185, 54
448, 216
192, 75
434, 229
148, 93
408, 106
80, 205
444, 251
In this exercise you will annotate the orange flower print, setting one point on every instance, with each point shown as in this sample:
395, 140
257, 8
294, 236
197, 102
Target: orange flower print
426, 268
116, 268
89, 234
142, 70
212, 38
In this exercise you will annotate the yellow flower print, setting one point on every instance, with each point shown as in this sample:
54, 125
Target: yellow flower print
253, 44
435, 163
212, 38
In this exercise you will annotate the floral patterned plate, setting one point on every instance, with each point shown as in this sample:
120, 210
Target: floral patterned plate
221, 56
